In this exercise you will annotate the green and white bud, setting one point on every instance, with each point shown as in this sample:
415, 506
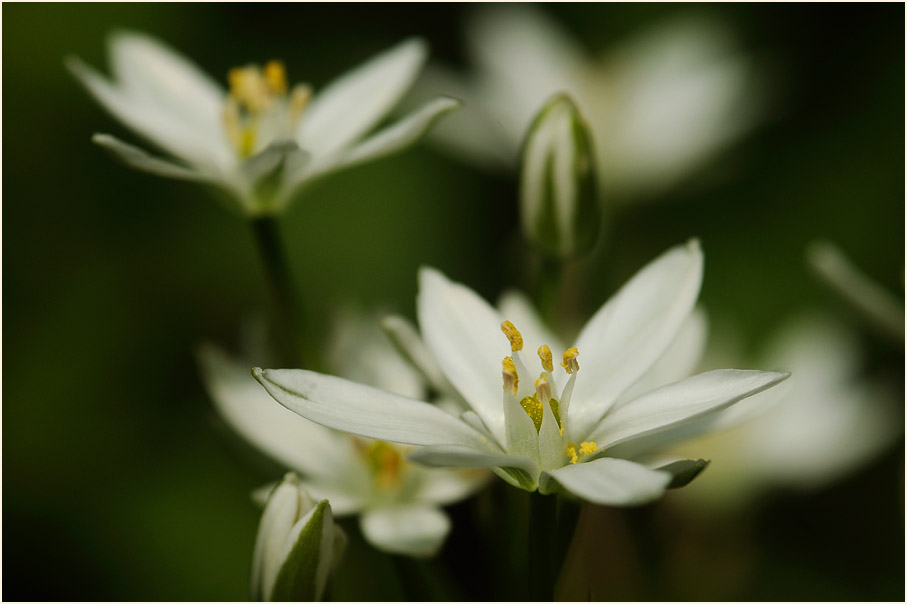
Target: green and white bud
297, 547
558, 201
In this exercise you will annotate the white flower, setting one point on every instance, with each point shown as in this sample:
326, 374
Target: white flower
823, 423
261, 141
660, 104
581, 426
297, 547
875, 302
398, 502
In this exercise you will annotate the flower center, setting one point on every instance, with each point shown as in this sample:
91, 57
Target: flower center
385, 463
259, 109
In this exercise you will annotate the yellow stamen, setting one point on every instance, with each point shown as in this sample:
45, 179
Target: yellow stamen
276, 76
570, 363
588, 448
571, 453
299, 100
545, 355
511, 379
513, 334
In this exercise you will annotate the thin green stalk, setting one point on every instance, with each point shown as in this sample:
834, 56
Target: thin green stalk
287, 326
548, 284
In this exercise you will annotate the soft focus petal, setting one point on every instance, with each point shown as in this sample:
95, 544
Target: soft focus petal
680, 402
139, 159
355, 102
363, 410
415, 530
608, 481
394, 137
463, 333
447, 486
631, 331
155, 73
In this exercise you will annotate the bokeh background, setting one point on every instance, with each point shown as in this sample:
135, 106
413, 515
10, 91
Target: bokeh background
120, 483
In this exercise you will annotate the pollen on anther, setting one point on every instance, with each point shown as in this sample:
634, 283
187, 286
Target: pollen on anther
545, 356
513, 334
508, 372
570, 363
276, 76
571, 453
588, 448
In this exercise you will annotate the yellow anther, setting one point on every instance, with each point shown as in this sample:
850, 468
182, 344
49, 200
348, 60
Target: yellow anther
276, 76
570, 363
247, 85
299, 100
543, 389
511, 379
513, 334
588, 448
545, 355
571, 453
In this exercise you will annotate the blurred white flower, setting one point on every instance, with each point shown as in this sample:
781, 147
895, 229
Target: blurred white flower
591, 435
822, 424
875, 302
297, 547
398, 502
261, 141
660, 104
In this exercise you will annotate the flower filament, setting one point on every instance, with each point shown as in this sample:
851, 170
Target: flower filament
258, 108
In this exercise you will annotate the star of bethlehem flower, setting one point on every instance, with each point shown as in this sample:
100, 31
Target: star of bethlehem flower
660, 104
398, 503
585, 420
260, 140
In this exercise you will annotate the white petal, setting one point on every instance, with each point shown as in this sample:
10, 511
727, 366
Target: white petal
552, 442
679, 360
516, 308
155, 73
608, 481
406, 339
410, 530
291, 440
155, 124
879, 305
442, 487
680, 402
394, 137
463, 333
522, 437
355, 102
458, 456
631, 331
363, 410
139, 159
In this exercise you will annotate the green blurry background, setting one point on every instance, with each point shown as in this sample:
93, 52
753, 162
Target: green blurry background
118, 480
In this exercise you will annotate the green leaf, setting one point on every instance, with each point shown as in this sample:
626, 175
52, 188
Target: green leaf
298, 577
684, 471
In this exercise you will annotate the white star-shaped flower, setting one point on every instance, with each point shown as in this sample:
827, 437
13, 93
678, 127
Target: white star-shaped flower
261, 140
582, 425
398, 502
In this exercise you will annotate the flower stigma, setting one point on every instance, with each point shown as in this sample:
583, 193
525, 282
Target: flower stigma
258, 109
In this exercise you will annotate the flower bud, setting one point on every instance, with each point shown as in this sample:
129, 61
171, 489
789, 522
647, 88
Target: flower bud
297, 547
558, 202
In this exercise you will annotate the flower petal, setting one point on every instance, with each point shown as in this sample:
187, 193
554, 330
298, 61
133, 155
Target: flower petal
679, 360
139, 159
356, 101
459, 456
441, 487
153, 123
149, 70
680, 402
293, 441
463, 333
363, 410
609, 481
631, 331
414, 530
394, 137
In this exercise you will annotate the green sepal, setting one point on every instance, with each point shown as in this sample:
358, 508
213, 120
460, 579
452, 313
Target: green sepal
684, 471
297, 579
518, 477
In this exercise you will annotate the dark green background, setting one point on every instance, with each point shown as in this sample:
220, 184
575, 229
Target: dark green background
119, 482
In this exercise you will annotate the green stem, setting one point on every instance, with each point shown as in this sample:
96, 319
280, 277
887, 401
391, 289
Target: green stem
543, 568
548, 285
286, 326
